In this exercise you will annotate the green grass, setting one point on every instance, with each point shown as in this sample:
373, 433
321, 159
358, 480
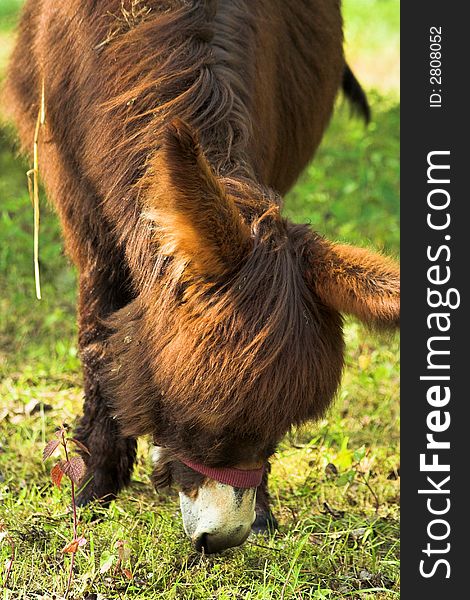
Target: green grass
349, 192
372, 39
9, 13
339, 534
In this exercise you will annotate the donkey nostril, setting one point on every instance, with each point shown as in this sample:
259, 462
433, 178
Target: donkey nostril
201, 543
210, 543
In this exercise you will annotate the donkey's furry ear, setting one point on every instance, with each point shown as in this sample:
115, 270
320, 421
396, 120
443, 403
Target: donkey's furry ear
197, 222
358, 282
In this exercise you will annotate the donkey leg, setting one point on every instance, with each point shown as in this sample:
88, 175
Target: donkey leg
265, 521
112, 456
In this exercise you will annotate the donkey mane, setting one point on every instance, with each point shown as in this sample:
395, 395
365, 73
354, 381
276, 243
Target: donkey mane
187, 62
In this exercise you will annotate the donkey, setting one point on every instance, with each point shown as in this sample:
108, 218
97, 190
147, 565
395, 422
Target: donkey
206, 320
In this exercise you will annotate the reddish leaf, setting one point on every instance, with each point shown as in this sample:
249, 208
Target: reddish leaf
82, 447
74, 545
71, 547
50, 448
127, 573
74, 468
57, 473
124, 552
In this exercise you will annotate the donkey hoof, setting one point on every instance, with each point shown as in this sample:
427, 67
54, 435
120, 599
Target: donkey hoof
90, 492
265, 522
85, 496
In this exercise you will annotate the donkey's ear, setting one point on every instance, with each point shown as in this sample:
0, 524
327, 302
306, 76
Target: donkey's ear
357, 282
196, 220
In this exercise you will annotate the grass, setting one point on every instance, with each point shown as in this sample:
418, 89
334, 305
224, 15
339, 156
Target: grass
339, 534
373, 42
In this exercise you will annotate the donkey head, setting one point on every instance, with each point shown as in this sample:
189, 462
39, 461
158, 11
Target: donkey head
237, 339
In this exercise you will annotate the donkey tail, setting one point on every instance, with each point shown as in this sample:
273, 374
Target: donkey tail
355, 94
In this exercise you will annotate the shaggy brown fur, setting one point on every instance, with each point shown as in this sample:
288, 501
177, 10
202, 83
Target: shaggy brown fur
172, 127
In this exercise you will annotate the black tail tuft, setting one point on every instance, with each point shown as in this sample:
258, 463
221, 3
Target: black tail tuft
355, 94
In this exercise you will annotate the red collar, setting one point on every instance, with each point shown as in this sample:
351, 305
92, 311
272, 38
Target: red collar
239, 478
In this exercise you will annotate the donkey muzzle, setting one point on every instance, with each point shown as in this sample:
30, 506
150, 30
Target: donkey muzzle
219, 516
